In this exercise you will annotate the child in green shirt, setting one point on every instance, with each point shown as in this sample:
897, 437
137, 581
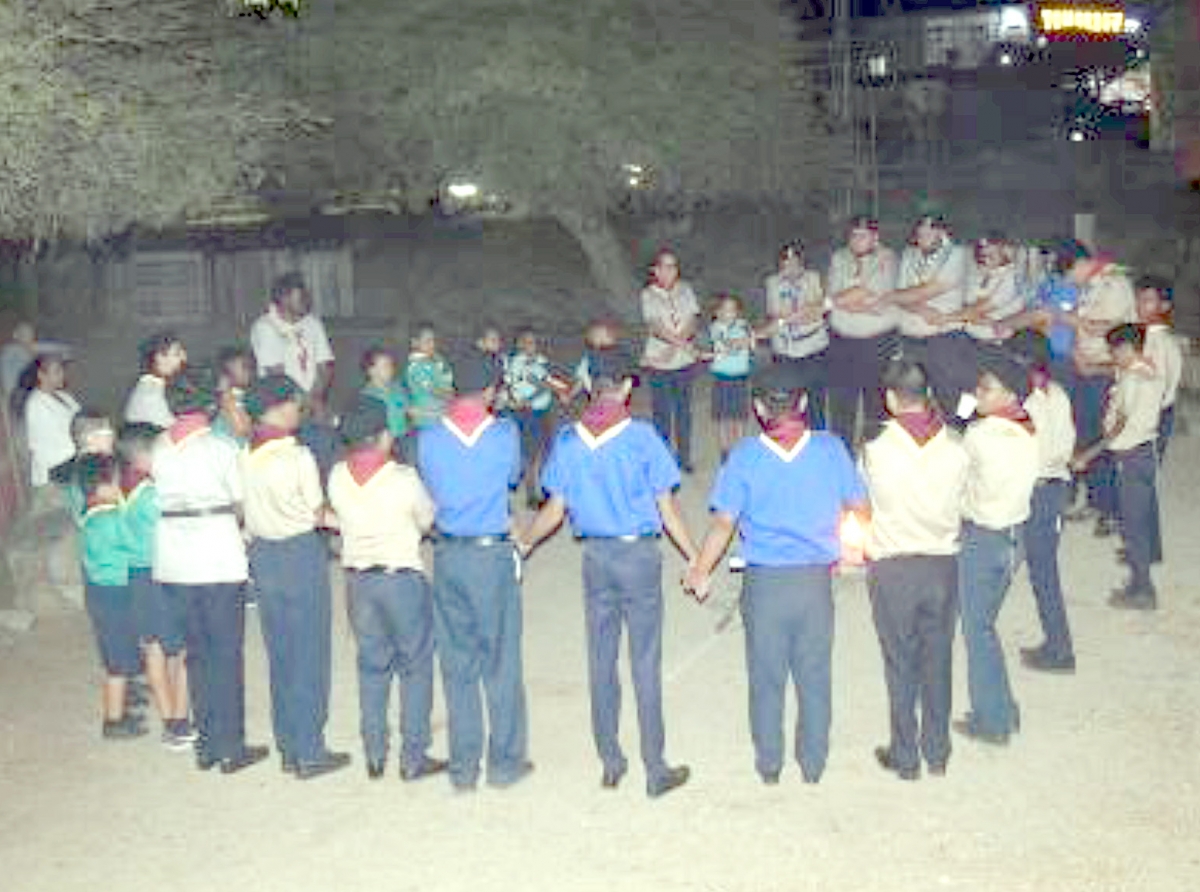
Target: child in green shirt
428, 378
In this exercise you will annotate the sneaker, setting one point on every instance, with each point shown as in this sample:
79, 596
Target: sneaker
178, 735
123, 729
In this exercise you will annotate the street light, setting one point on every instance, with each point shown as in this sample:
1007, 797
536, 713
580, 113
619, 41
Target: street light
462, 191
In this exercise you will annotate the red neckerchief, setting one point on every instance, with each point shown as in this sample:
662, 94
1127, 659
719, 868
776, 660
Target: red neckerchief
364, 462
1039, 379
602, 414
265, 433
787, 429
922, 425
467, 412
1016, 414
131, 478
186, 425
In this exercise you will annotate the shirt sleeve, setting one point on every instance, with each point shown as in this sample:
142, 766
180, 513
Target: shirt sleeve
853, 490
310, 479
730, 493
662, 473
553, 476
512, 442
267, 346
422, 504
233, 474
322, 349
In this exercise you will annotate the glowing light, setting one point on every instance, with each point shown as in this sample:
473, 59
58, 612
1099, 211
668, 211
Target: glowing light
1076, 136
1091, 21
1042, 41
877, 66
462, 190
853, 537
1006, 59
1132, 26
1013, 18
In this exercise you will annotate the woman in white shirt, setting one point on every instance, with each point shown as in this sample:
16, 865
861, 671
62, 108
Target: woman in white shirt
796, 311
162, 357
672, 316
47, 409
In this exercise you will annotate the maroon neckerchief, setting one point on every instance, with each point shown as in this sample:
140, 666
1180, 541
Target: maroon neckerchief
1039, 379
787, 429
265, 433
1016, 414
922, 425
602, 414
186, 425
467, 413
364, 462
131, 478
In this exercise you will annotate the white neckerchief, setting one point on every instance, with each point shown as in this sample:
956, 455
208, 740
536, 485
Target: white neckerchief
593, 442
468, 441
786, 454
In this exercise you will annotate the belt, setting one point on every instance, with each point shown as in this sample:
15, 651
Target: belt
1119, 454
199, 512
381, 570
497, 539
634, 537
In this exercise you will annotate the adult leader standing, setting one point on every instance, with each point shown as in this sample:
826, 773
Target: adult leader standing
289, 339
672, 317
796, 323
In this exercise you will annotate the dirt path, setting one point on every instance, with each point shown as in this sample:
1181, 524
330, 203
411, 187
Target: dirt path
1101, 791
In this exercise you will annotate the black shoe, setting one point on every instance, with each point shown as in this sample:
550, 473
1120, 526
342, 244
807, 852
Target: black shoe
966, 727
125, 728
611, 778
1042, 659
937, 769
1123, 599
325, 763
1084, 512
250, 755
287, 764
770, 778
374, 770
672, 780
428, 767
883, 755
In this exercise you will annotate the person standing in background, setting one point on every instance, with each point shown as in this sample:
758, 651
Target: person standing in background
161, 357
796, 324
672, 317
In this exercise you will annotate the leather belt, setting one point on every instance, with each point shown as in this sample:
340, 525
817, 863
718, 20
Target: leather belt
214, 511
633, 537
498, 539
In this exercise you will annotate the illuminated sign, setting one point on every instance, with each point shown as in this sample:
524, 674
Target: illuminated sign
1059, 19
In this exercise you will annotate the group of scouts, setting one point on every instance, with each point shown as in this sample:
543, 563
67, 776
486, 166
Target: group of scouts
233, 491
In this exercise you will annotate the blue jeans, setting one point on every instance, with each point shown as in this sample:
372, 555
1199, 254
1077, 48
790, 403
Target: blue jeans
392, 618
291, 578
1041, 535
1088, 397
913, 602
985, 570
622, 586
477, 627
215, 672
788, 616
1137, 473
671, 408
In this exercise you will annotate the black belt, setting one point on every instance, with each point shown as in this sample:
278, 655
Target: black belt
633, 537
497, 539
199, 512
381, 570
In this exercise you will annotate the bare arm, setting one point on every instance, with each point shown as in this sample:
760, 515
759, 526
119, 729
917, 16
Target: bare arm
668, 510
720, 534
543, 525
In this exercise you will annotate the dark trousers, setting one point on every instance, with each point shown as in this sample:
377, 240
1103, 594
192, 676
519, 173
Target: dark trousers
477, 628
913, 601
215, 636
1041, 536
671, 407
788, 616
622, 587
291, 577
1137, 473
1166, 430
985, 570
951, 362
535, 428
324, 443
811, 374
392, 618
854, 366
1088, 397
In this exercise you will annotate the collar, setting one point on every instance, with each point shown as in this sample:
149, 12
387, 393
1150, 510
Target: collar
265, 433
1017, 415
601, 414
786, 454
922, 426
595, 441
364, 462
187, 426
148, 378
471, 428
100, 508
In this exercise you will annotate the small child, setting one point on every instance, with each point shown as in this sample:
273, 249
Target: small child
527, 377
428, 378
384, 510
92, 432
601, 347
379, 370
490, 348
732, 340
106, 549
162, 356
235, 374
161, 613
1155, 305
1130, 436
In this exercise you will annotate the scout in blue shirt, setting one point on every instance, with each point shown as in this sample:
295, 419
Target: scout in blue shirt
106, 547
615, 478
786, 492
161, 613
469, 460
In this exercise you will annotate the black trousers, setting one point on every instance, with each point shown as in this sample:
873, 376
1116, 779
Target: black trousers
1137, 500
855, 365
811, 373
914, 602
216, 685
951, 363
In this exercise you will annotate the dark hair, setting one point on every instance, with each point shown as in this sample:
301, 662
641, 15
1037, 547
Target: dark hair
422, 327
271, 391
1006, 369
87, 421
1032, 347
861, 221
1130, 333
937, 221
487, 327
135, 438
724, 296
1157, 283
776, 390
28, 381
795, 248
906, 378
365, 421
94, 471
285, 285
226, 355
372, 354
154, 346
193, 391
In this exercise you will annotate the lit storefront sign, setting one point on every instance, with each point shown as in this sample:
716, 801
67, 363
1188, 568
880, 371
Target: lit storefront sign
1062, 20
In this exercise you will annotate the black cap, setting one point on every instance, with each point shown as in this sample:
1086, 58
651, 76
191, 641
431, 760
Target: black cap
270, 391
365, 421
475, 372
